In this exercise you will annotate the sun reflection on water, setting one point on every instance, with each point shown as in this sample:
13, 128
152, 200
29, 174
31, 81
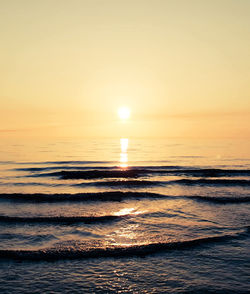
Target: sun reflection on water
124, 236
127, 211
124, 154
129, 234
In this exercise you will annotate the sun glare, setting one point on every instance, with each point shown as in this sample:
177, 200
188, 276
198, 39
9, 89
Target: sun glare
124, 113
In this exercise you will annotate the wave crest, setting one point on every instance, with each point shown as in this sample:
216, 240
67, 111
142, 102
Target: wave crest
113, 251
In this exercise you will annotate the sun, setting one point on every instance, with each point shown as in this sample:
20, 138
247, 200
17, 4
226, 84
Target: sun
124, 113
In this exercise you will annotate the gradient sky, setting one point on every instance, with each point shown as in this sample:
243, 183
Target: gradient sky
183, 67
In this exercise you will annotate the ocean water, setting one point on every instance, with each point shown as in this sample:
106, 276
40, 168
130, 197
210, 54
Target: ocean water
124, 216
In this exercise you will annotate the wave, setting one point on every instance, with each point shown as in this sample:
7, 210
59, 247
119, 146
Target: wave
149, 183
72, 162
92, 174
222, 200
98, 196
109, 168
115, 196
60, 219
124, 183
211, 172
50, 168
134, 172
218, 182
137, 183
34, 184
73, 252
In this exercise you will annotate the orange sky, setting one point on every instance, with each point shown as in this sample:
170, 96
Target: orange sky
183, 68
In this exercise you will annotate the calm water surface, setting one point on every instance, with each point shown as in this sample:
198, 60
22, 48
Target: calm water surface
124, 216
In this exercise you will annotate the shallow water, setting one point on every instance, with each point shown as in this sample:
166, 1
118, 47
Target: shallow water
124, 216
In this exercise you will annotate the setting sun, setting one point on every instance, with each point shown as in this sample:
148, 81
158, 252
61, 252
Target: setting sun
124, 113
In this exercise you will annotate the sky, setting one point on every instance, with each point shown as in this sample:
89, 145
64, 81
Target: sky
182, 67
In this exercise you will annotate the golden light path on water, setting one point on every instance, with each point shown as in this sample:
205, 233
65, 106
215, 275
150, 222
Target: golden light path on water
124, 153
124, 114
125, 236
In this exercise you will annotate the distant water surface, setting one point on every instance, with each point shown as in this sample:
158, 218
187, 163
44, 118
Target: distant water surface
124, 216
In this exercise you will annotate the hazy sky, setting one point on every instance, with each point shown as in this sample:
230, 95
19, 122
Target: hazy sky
182, 66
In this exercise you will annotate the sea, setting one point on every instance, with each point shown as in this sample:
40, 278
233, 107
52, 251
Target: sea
124, 215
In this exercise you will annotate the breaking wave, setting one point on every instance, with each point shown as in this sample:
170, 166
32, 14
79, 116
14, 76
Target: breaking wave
77, 252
